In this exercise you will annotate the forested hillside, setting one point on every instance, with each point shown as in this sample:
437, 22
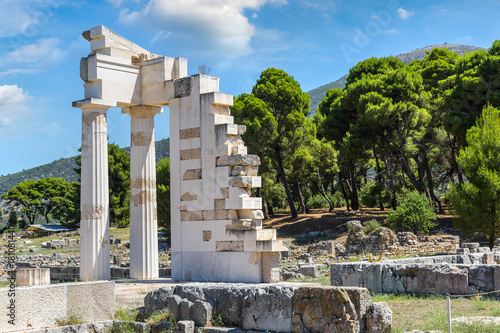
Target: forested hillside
317, 94
64, 168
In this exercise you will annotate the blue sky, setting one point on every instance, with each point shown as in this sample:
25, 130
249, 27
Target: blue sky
315, 41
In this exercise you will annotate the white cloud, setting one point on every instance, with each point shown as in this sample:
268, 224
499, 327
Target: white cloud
14, 71
404, 14
13, 105
218, 26
159, 36
26, 17
44, 51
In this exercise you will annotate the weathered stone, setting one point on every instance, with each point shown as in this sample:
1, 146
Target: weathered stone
208, 215
190, 154
229, 246
207, 235
242, 170
191, 216
189, 133
270, 267
173, 305
470, 245
241, 224
482, 277
201, 313
489, 258
238, 159
185, 309
437, 279
463, 250
310, 270
219, 204
354, 226
324, 309
183, 86
224, 191
192, 174
268, 309
379, 318
184, 326
186, 196
244, 181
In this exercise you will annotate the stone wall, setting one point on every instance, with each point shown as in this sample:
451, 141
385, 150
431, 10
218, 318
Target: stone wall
72, 273
276, 308
420, 276
402, 243
42, 306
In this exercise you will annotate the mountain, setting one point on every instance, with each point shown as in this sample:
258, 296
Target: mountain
64, 168
317, 94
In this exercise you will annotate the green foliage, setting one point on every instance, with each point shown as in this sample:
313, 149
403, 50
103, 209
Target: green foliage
477, 203
218, 321
317, 201
414, 213
163, 192
119, 186
372, 193
370, 226
274, 115
12, 222
48, 197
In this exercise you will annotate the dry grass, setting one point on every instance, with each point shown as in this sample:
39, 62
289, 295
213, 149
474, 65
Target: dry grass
429, 313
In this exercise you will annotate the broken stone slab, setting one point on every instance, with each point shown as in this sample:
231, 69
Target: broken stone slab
470, 245
463, 250
245, 181
242, 224
310, 270
239, 159
201, 313
184, 326
243, 170
379, 318
185, 309
173, 306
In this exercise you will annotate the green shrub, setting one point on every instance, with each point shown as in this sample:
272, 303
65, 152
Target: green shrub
317, 201
414, 213
371, 194
370, 226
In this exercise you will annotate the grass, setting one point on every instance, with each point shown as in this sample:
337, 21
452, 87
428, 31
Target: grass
428, 313
70, 320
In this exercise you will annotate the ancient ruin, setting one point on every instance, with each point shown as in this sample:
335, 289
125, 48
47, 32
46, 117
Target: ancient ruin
216, 225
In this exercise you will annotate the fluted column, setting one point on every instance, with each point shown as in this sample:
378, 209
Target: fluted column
94, 201
143, 214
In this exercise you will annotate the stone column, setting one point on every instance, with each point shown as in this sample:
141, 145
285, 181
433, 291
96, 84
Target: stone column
94, 201
143, 218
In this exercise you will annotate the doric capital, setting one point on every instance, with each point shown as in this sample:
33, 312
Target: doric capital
142, 111
94, 104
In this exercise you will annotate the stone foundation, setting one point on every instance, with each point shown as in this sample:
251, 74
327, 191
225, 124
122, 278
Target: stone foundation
276, 307
419, 276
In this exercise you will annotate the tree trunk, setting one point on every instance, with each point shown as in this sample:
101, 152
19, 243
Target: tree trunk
354, 190
405, 167
284, 181
430, 184
456, 168
343, 191
379, 178
303, 207
391, 183
270, 210
321, 189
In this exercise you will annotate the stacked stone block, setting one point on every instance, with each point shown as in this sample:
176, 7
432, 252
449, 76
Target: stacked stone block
217, 230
